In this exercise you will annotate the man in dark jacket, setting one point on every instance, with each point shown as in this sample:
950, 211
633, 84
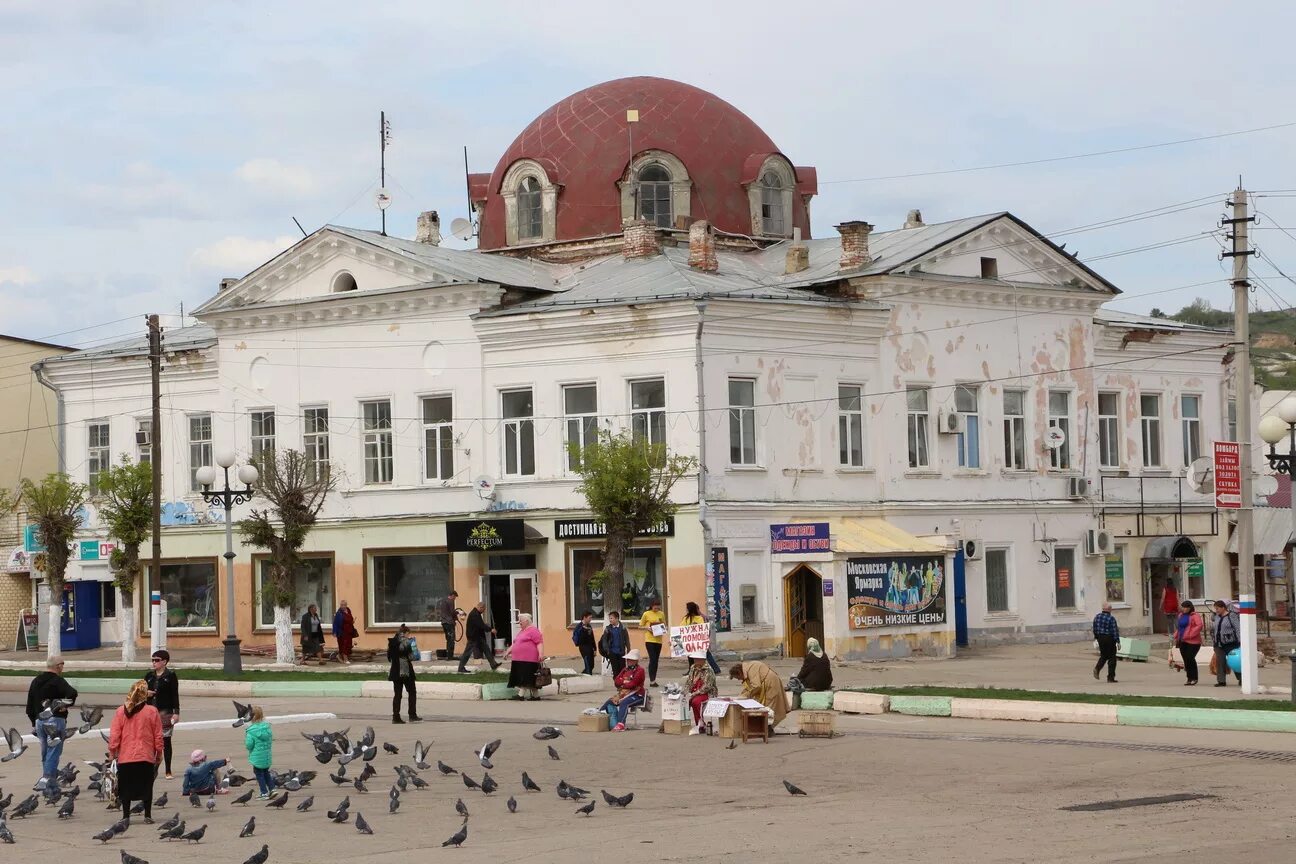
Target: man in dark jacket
1227, 635
449, 616
49, 685
583, 639
401, 654
614, 643
477, 638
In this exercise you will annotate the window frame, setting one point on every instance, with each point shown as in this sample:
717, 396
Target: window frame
368, 556
846, 420
913, 419
1014, 429
313, 440
1060, 458
1150, 432
530, 191
142, 609
521, 425
1075, 576
771, 199
744, 416
652, 418
1109, 432
569, 550
375, 437
445, 449
584, 423
259, 559
98, 453
144, 452
1190, 428
972, 429
663, 192
1009, 606
259, 441
203, 445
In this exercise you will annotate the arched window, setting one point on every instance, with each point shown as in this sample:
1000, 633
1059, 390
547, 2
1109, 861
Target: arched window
530, 210
772, 218
655, 195
344, 281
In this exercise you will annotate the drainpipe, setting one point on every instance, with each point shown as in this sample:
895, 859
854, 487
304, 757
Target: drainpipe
702, 461
39, 369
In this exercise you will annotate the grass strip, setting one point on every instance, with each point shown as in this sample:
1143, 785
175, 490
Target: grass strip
1085, 698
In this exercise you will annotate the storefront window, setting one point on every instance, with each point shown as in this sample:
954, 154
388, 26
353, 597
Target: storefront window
189, 591
644, 581
403, 587
314, 584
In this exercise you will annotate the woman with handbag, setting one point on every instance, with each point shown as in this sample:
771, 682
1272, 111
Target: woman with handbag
135, 742
526, 651
1188, 638
344, 631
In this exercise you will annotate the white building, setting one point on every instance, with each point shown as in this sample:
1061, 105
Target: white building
890, 393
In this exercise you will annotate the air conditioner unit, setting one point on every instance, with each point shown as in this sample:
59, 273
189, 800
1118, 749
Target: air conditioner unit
1078, 487
971, 550
1099, 541
144, 437
950, 423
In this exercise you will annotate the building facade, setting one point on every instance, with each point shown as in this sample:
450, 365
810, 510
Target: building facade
906, 439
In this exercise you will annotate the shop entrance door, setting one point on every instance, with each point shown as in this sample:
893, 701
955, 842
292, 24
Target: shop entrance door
1156, 573
509, 594
803, 608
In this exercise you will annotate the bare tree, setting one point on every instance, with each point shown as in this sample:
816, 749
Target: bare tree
296, 489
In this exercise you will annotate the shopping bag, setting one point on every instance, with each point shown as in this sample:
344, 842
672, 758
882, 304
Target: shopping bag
1175, 658
1214, 664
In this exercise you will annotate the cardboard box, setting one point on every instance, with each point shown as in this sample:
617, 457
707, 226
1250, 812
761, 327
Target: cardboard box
674, 708
593, 722
676, 727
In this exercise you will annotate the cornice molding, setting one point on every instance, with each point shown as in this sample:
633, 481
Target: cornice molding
417, 300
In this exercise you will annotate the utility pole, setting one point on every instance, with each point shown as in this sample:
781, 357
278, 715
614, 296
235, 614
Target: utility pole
155, 446
1239, 222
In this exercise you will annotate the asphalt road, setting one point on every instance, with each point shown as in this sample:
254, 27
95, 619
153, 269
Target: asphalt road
899, 788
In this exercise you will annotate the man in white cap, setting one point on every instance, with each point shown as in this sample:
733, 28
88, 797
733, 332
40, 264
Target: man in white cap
630, 691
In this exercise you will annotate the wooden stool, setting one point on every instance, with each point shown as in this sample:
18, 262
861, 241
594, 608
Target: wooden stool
755, 724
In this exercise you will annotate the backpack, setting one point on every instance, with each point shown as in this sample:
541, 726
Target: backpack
576, 635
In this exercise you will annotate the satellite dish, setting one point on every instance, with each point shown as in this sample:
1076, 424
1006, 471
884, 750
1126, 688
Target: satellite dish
1264, 484
485, 486
461, 228
1054, 438
1201, 475
383, 199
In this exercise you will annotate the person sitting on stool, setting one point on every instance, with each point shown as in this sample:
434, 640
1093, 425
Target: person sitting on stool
630, 692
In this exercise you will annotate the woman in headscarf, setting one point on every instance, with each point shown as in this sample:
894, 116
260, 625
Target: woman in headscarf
344, 631
526, 651
763, 684
700, 685
816, 671
135, 742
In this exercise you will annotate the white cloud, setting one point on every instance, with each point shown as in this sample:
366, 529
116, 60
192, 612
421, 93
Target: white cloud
238, 255
18, 275
270, 178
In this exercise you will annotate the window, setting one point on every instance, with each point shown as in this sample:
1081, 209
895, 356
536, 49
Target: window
655, 196
989, 268
438, 438
580, 408
530, 210
966, 399
644, 581
1059, 403
189, 590
1064, 577
772, 219
1014, 409
850, 425
98, 453
312, 584
1190, 411
1230, 428
742, 421
519, 433
1109, 430
1114, 575
404, 586
263, 433
107, 600
996, 577
315, 440
144, 441
344, 281
749, 615
918, 421
648, 410
376, 421
200, 447
1150, 421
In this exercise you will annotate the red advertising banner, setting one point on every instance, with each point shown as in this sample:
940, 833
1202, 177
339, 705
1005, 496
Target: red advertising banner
1228, 475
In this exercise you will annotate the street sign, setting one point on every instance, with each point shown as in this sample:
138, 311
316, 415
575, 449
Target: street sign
1228, 475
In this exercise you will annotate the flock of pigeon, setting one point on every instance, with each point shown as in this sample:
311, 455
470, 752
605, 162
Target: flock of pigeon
328, 746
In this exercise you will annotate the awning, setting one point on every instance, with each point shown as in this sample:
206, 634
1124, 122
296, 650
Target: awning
532, 535
1171, 547
1273, 531
872, 536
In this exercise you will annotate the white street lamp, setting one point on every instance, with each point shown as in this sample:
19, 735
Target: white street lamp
228, 497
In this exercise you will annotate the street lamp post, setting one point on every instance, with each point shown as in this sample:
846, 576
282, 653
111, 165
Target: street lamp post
1272, 429
247, 475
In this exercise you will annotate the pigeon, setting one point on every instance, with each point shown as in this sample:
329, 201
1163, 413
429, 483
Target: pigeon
53, 705
6, 835
278, 803
65, 811
345, 803
617, 801
488, 784
733, 745
90, 718
195, 800
420, 756
137, 809
391, 748
340, 779
547, 733
242, 713
528, 784
369, 753
339, 816
470, 783
562, 789
368, 738
170, 823
461, 808
127, 858
14, 745
161, 800
195, 835
26, 806
445, 769
248, 828
393, 804
553, 754
368, 771
512, 804
245, 797
259, 857
587, 809
487, 751
211, 803
175, 832
113, 830
103, 836
360, 786
235, 780
456, 840
418, 782
361, 825
305, 804
793, 790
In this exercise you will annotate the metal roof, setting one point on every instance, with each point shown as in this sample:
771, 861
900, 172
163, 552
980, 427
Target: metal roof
1113, 318
1273, 531
179, 339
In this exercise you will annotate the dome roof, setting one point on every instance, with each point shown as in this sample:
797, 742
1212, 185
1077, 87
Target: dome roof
582, 144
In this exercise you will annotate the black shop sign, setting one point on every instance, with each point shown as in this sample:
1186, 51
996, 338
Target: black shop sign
485, 535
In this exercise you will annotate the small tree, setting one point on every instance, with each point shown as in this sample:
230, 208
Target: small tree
54, 506
125, 499
296, 490
627, 484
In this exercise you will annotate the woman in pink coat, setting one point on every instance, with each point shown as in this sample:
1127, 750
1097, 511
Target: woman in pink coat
135, 741
526, 651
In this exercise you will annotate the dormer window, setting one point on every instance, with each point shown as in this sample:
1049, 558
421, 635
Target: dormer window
530, 210
344, 281
530, 204
769, 192
655, 196
772, 204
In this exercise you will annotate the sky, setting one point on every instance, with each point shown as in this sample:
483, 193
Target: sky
151, 148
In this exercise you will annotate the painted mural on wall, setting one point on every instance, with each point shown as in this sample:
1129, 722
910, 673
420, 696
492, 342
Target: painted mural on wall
184, 513
896, 591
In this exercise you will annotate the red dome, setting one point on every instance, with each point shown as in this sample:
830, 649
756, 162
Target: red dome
582, 144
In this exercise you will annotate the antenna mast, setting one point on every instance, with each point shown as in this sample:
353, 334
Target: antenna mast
384, 136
